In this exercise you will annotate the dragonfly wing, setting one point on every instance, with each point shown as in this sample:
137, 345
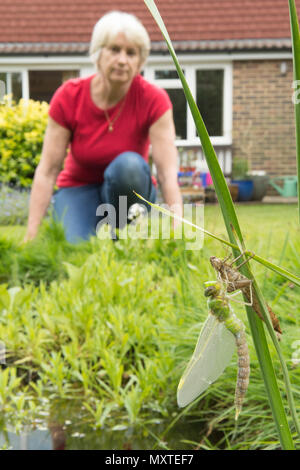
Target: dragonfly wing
212, 354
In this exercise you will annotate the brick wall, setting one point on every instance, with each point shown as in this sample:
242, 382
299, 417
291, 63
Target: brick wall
263, 116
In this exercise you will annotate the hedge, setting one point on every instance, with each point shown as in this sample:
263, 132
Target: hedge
22, 128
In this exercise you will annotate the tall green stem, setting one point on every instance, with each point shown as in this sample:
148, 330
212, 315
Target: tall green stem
296, 56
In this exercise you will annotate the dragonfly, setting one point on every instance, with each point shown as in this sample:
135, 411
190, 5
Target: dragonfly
221, 335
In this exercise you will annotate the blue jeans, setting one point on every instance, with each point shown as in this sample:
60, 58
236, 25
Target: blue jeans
76, 206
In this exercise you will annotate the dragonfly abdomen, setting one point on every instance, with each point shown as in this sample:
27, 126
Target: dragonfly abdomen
243, 370
237, 328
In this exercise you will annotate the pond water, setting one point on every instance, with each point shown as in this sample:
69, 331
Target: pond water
71, 431
59, 437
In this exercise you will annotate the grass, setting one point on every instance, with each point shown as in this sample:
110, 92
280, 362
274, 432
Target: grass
13, 232
110, 326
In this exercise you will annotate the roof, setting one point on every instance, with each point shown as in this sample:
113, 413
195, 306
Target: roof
65, 26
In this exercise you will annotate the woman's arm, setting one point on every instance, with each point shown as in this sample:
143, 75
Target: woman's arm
53, 154
164, 154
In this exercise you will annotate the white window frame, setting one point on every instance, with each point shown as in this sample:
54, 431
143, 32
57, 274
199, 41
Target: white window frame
190, 68
39, 64
24, 77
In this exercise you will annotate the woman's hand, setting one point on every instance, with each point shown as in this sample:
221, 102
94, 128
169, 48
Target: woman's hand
30, 236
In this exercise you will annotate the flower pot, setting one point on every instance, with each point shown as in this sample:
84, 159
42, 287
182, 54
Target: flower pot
260, 186
234, 191
245, 189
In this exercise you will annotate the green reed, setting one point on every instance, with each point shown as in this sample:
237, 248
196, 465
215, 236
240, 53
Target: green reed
296, 60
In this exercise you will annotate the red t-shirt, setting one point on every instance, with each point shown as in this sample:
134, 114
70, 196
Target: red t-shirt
92, 146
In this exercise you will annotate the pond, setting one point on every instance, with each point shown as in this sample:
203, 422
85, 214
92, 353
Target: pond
66, 428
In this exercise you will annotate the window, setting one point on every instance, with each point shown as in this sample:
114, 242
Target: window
13, 84
210, 99
3, 80
177, 97
165, 74
34, 84
211, 86
168, 79
43, 83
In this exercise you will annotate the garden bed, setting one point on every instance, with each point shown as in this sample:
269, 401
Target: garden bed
109, 326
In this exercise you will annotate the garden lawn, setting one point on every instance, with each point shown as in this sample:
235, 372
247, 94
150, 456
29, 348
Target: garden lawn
12, 232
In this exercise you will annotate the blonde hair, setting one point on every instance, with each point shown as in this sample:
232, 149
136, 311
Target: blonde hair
113, 23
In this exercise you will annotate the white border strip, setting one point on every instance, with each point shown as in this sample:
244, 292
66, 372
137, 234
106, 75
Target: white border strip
78, 61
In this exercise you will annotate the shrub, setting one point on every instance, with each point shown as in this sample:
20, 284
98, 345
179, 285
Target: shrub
22, 128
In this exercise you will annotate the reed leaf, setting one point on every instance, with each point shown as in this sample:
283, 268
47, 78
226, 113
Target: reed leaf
296, 59
268, 264
233, 230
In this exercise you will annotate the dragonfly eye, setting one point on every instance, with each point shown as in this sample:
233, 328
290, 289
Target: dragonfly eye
210, 291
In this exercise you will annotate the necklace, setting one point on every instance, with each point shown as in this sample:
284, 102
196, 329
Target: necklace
112, 121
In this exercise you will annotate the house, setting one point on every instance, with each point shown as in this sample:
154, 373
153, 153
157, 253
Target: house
236, 56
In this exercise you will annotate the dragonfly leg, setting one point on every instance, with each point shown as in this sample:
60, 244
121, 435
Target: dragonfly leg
239, 301
227, 257
241, 284
244, 262
235, 259
251, 293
